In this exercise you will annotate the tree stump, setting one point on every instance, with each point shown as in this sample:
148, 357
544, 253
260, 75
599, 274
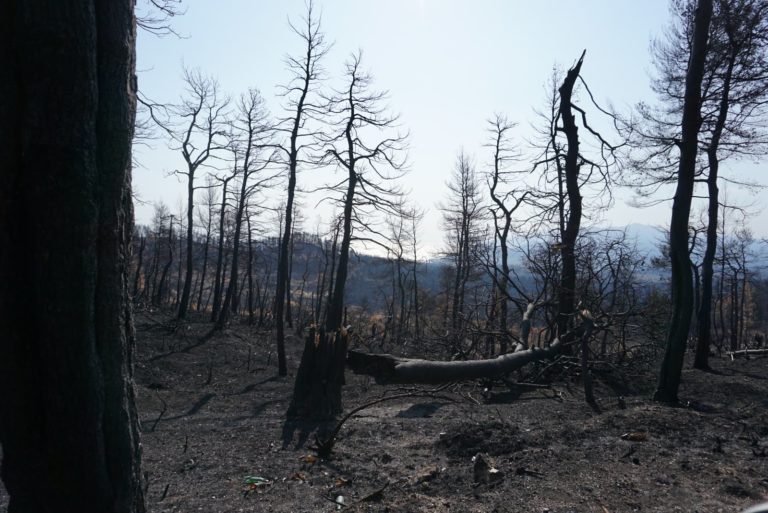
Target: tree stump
317, 390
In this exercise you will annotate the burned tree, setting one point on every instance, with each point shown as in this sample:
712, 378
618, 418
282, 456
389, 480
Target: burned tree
218, 279
250, 134
574, 172
682, 285
737, 84
462, 215
195, 128
306, 71
68, 423
505, 204
369, 169
733, 98
210, 199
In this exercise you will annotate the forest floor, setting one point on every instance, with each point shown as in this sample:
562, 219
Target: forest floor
212, 411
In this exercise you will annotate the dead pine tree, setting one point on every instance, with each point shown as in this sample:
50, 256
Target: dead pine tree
218, 278
195, 127
681, 282
463, 214
206, 219
506, 202
370, 154
250, 132
571, 171
306, 71
732, 125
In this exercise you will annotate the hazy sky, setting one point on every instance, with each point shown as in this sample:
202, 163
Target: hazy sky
448, 66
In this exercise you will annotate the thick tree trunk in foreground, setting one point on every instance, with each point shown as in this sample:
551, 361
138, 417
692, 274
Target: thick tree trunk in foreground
317, 391
68, 424
387, 368
682, 279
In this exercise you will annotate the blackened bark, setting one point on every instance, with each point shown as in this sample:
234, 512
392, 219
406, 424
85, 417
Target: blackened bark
68, 423
317, 390
335, 311
289, 277
229, 299
206, 245
139, 261
250, 269
217, 285
332, 279
567, 291
321, 281
177, 299
158, 298
184, 301
704, 340
682, 285
283, 263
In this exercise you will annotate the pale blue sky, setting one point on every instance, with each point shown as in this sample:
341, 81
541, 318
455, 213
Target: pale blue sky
447, 64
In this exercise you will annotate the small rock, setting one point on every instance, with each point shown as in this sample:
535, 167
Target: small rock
484, 471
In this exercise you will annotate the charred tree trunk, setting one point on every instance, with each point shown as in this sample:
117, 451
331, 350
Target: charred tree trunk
229, 299
305, 73
734, 328
68, 424
704, 340
416, 312
282, 268
206, 245
682, 285
288, 310
139, 261
250, 269
317, 390
332, 278
187, 290
336, 304
218, 279
158, 299
567, 293
179, 268
149, 292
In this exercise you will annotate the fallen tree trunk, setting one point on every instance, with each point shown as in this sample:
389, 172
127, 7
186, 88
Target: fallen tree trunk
386, 368
747, 353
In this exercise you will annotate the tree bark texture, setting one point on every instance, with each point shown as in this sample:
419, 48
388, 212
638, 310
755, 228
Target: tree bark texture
68, 423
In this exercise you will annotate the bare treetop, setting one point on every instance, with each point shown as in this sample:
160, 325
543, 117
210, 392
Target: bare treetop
364, 141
